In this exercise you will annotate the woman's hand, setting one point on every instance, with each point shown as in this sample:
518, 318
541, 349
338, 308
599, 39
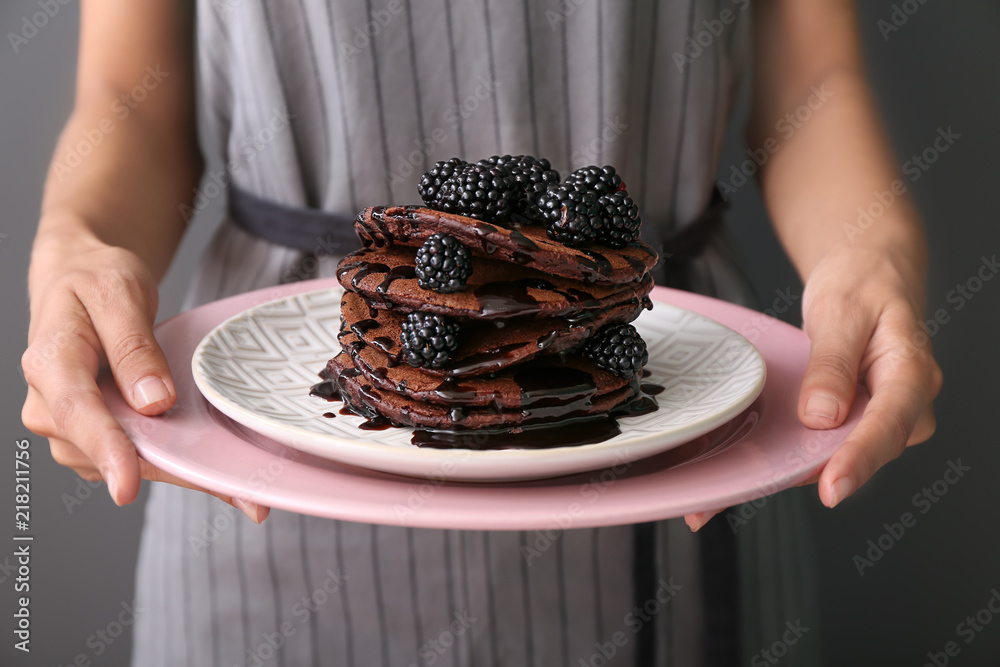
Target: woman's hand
91, 304
862, 309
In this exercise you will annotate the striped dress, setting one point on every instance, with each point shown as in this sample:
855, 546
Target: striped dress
339, 104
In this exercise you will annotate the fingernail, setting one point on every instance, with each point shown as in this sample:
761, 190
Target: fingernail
149, 390
248, 508
111, 479
840, 489
820, 405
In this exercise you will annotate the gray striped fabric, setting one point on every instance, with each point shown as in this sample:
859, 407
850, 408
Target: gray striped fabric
338, 104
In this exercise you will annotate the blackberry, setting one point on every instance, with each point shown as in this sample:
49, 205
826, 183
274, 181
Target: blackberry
443, 264
599, 180
532, 176
431, 182
478, 191
621, 219
570, 216
428, 340
618, 349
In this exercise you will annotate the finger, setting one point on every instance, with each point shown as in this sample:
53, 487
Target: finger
886, 428
811, 480
122, 310
256, 513
69, 455
837, 345
75, 411
698, 519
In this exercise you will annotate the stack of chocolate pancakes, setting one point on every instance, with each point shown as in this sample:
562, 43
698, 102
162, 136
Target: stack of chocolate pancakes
525, 312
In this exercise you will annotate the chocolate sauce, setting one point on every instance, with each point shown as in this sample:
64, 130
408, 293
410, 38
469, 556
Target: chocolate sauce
634, 262
367, 268
369, 392
651, 389
571, 433
637, 407
523, 241
361, 327
522, 258
547, 339
482, 230
538, 382
400, 272
506, 298
376, 423
382, 373
480, 361
383, 343
451, 391
326, 390
598, 262
329, 415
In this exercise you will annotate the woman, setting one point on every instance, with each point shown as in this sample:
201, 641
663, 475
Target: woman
330, 105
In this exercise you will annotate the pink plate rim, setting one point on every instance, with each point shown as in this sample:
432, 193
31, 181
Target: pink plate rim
764, 450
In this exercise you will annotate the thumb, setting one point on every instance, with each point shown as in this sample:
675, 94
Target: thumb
831, 377
135, 358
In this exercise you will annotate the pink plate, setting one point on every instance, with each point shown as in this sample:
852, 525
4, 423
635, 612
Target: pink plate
763, 450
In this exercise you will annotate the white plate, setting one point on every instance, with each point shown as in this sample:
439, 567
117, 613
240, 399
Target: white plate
257, 367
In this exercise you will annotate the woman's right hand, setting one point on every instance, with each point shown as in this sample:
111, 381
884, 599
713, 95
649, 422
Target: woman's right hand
94, 304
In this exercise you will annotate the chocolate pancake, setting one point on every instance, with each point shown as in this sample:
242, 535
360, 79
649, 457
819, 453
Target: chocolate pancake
361, 396
496, 289
484, 347
528, 245
550, 380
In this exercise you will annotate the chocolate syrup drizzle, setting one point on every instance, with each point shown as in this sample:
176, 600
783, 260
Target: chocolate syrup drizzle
374, 231
554, 396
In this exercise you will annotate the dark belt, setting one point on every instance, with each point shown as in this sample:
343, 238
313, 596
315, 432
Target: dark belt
324, 233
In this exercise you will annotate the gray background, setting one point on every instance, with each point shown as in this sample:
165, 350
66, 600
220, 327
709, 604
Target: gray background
939, 69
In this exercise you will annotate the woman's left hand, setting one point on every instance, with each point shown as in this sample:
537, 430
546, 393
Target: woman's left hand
862, 310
